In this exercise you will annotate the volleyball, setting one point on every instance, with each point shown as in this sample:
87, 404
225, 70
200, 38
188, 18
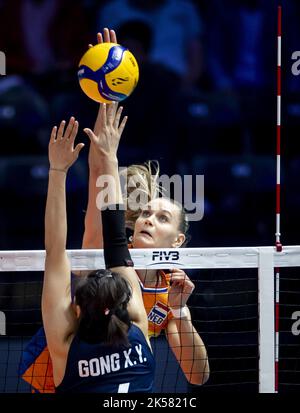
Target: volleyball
108, 72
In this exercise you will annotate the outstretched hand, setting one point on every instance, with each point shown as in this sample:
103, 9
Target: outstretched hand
108, 36
61, 151
107, 133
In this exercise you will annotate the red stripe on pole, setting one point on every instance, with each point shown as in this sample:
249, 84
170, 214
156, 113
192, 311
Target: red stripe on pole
277, 198
278, 243
278, 80
278, 140
279, 20
277, 317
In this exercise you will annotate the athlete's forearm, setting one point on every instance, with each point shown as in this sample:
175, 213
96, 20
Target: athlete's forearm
110, 169
92, 237
193, 355
55, 214
188, 348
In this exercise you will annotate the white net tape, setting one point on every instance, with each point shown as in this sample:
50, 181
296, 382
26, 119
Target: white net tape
188, 258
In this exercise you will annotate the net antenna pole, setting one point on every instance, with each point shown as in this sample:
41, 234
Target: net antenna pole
278, 244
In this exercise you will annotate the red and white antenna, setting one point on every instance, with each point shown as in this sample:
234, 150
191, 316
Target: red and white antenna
278, 164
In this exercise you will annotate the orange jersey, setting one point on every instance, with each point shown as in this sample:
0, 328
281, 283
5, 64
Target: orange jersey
156, 305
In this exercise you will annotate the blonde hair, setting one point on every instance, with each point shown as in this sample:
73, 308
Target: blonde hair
143, 180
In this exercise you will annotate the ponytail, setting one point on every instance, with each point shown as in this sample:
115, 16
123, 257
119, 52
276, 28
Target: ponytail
103, 297
117, 331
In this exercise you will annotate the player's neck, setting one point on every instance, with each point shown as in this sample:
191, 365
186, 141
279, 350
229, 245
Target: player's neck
148, 277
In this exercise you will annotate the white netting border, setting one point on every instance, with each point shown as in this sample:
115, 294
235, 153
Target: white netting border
188, 258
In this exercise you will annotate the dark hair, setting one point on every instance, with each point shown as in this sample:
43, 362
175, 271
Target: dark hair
103, 297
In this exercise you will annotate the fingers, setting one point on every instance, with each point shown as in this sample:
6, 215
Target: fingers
109, 36
74, 131
104, 113
111, 112
117, 117
53, 134
179, 277
99, 38
113, 36
110, 115
91, 135
106, 35
101, 119
61, 130
78, 149
69, 127
122, 126
70, 132
98, 122
178, 273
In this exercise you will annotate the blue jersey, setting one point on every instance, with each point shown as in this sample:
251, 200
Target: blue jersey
99, 368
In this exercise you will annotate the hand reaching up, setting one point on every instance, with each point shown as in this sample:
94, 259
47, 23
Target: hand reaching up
109, 36
61, 151
107, 132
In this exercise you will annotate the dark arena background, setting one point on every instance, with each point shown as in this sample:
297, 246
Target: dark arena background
205, 105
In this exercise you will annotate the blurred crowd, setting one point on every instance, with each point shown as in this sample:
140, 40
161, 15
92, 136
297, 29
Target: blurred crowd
205, 104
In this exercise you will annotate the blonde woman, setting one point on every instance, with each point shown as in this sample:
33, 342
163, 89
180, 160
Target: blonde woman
160, 223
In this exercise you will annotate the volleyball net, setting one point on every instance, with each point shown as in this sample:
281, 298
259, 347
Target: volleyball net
232, 307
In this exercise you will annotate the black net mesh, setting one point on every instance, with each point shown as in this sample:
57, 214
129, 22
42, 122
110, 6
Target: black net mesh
224, 308
224, 312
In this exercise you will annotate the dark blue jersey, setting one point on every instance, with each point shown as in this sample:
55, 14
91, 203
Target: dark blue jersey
99, 368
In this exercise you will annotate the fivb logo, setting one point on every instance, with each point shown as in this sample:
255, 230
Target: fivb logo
165, 256
2, 324
2, 64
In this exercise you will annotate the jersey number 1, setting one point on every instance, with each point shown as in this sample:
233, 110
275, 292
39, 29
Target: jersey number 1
123, 388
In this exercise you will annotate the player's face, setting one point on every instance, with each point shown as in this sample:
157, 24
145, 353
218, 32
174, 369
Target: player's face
157, 226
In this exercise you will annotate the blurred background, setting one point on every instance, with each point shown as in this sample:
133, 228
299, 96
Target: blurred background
205, 104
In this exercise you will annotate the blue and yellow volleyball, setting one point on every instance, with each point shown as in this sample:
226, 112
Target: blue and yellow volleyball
108, 72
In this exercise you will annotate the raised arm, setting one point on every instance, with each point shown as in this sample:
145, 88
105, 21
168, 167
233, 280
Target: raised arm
105, 146
92, 237
58, 317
